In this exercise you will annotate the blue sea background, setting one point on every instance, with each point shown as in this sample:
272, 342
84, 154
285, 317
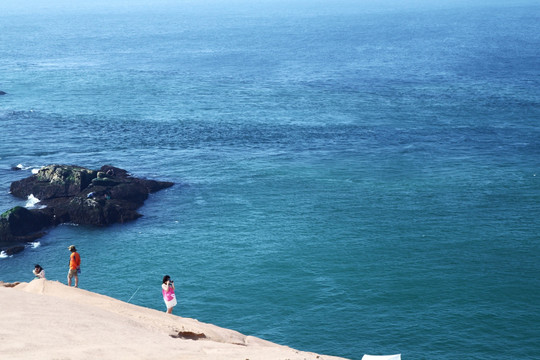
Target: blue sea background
350, 177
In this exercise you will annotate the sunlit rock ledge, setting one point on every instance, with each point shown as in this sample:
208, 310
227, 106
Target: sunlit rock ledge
49, 320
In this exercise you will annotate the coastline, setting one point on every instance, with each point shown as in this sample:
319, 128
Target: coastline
48, 320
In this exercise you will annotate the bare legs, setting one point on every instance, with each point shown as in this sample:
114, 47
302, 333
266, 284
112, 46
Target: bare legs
76, 280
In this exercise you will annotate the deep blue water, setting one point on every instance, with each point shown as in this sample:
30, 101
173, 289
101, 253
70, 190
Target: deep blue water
349, 179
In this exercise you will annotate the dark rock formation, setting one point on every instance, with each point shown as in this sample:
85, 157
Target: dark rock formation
73, 194
18, 226
54, 181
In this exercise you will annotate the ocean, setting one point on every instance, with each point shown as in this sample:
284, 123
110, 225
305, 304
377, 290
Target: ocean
351, 177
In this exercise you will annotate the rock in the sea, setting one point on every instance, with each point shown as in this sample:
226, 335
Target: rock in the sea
14, 250
2, 92
20, 221
76, 195
19, 226
54, 181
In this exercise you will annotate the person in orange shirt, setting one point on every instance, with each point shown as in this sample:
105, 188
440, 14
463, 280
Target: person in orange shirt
74, 265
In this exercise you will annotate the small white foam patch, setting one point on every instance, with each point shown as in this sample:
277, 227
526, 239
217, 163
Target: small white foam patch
32, 201
22, 167
3, 255
35, 244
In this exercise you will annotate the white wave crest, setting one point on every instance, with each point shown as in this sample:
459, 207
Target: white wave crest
3, 255
35, 244
32, 202
34, 170
23, 167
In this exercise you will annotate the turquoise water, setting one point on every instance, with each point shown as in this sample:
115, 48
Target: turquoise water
349, 180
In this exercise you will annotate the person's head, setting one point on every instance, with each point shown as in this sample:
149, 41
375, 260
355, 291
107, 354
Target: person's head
166, 278
38, 268
72, 248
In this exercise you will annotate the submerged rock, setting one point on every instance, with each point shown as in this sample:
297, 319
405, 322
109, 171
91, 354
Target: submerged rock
73, 194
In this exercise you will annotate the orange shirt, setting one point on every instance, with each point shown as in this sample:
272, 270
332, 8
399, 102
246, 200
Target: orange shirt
74, 260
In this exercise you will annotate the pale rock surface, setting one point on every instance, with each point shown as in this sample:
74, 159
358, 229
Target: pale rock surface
48, 320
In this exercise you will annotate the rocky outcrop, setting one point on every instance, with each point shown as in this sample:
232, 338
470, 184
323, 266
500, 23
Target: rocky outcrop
54, 181
20, 225
73, 194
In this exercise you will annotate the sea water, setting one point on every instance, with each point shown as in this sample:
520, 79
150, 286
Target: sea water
350, 178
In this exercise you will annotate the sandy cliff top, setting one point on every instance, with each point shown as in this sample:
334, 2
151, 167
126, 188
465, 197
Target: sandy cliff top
48, 320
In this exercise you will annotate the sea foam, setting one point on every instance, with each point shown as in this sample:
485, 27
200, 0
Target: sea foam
34, 170
32, 201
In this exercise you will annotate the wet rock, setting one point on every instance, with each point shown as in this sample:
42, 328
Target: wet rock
14, 250
54, 181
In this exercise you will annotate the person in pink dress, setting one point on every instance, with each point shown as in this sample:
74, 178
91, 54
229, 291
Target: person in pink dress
167, 289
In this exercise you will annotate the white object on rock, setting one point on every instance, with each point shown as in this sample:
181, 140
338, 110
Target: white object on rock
382, 357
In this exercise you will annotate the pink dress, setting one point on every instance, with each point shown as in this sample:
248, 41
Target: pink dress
168, 296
